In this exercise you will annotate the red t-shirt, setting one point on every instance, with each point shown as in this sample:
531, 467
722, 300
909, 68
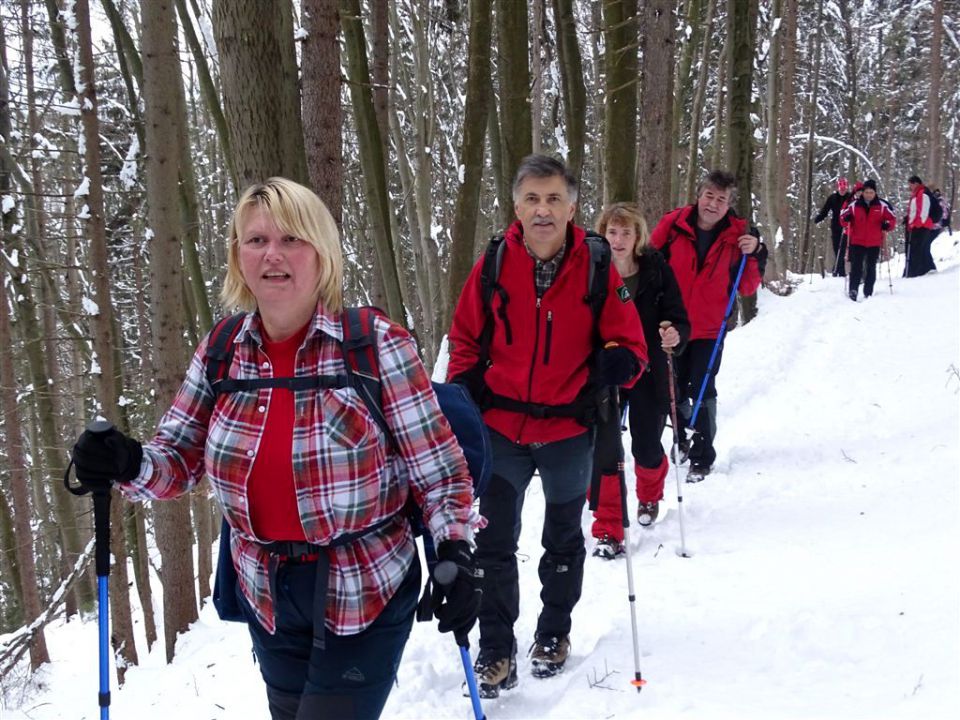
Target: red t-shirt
270, 488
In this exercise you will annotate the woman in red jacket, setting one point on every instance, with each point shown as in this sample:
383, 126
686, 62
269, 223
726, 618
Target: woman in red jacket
866, 220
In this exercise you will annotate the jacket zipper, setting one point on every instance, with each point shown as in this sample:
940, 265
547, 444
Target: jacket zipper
533, 363
546, 349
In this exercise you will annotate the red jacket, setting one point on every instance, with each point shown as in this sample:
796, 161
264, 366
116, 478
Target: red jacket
865, 223
918, 210
552, 339
707, 291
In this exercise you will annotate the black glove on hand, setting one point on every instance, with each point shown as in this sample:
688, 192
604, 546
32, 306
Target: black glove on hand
616, 365
456, 604
100, 459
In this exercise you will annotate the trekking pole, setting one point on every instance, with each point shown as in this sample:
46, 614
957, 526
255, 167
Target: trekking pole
682, 552
638, 682
716, 345
444, 574
101, 525
888, 250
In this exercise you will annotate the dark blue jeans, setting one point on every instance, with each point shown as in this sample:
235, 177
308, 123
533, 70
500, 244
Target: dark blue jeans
350, 679
564, 468
691, 367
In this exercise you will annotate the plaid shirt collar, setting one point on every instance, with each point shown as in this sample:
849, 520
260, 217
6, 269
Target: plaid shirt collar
545, 271
323, 322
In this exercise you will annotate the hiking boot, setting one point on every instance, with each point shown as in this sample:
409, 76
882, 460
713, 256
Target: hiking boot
853, 295
697, 472
608, 548
494, 672
647, 513
548, 655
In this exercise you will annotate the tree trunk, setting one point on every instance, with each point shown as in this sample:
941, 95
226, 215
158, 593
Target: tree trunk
696, 111
260, 93
321, 106
771, 192
104, 338
692, 34
572, 84
718, 151
787, 101
656, 110
19, 485
538, 69
935, 176
620, 108
372, 155
476, 114
807, 246
164, 135
742, 29
513, 71
852, 78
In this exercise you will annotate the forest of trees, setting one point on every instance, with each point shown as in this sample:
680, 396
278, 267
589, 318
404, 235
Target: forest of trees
127, 129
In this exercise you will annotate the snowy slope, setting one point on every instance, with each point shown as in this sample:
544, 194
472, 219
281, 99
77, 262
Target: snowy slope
824, 579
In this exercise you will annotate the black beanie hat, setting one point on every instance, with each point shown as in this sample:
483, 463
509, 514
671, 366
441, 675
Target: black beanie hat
871, 184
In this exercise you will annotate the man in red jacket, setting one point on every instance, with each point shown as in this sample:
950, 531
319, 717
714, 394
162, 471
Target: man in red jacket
704, 243
535, 358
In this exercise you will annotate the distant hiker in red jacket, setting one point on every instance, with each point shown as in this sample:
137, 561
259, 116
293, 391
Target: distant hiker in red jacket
535, 351
919, 230
655, 292
704, 243
866, 221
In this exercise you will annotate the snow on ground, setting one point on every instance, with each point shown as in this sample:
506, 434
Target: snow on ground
824, 578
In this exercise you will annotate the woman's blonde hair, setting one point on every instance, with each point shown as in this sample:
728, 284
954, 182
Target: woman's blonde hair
625, 213
297, 211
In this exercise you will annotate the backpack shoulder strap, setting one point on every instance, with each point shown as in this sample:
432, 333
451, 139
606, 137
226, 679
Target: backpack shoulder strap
220, 344
490, 284
599, 274
363, 362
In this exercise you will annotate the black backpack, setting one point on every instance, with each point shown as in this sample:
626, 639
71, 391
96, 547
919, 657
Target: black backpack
592, 399
936, 208
363, 375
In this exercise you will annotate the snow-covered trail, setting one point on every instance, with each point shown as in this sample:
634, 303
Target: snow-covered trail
824, 582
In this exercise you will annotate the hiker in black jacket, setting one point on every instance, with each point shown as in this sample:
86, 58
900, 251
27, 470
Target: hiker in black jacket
834, 205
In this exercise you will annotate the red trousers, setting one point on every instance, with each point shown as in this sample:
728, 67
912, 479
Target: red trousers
606, 518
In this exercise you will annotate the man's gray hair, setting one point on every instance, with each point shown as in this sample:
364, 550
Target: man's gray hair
720, 180
544, 166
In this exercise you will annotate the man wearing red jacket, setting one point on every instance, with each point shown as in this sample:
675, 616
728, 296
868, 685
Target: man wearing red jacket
919, 230
866, 221
704, 243
534, 359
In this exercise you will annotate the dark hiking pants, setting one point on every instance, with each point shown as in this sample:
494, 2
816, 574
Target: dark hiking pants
839, 250
691, 369
861, 256
564, 468
348, 680
919, 259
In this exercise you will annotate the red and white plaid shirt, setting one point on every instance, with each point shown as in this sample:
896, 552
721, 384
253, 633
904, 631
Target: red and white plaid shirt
345, 474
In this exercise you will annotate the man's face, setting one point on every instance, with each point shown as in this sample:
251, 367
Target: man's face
869, 194
543, 206
913, 187
712, 206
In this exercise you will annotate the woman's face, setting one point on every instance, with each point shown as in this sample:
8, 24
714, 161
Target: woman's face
622, 238
282, 271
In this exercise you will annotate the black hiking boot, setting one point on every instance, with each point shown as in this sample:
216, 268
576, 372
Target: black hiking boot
494, 673
697, 472
683, 449
548, 656
608, 548
647, 513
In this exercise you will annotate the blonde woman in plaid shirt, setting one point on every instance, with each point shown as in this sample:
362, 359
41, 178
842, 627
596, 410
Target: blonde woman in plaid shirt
307, 479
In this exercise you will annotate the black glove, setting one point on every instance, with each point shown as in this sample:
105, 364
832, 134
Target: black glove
885, 225
457, 603
616, 365
100, 459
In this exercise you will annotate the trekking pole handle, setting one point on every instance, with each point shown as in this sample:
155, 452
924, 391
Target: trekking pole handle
97, 427
664, 324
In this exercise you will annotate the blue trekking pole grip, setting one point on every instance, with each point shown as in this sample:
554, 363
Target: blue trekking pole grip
716, 345
444, 574
101, 526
